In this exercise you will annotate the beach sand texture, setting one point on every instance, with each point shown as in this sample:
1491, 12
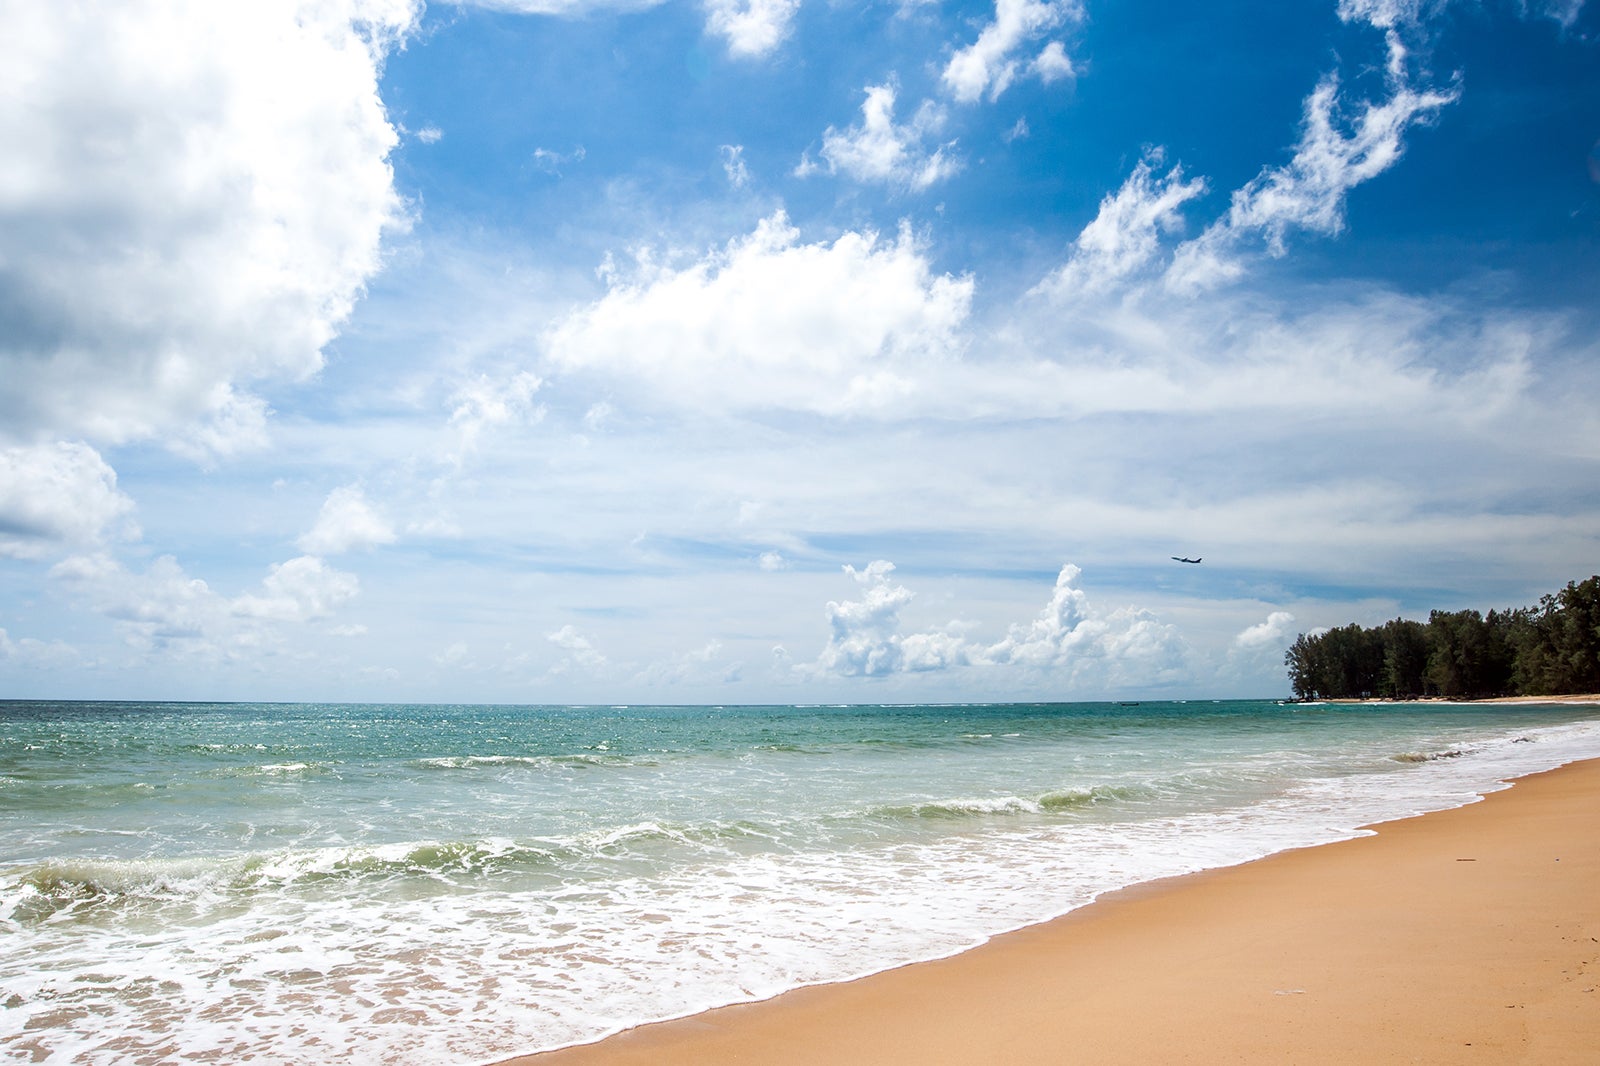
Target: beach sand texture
1466, 936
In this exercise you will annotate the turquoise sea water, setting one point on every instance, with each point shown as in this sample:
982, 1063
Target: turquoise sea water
435, 884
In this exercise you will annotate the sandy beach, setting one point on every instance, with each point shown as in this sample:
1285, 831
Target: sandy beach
1465, 936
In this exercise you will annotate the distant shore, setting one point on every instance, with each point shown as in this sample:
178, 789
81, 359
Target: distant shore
1468, 935
1573, 700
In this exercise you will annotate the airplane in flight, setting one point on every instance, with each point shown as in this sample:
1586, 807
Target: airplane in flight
1178, 559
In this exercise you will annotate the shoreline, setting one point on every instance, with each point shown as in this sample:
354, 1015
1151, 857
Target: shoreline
1574, 700
1468, 934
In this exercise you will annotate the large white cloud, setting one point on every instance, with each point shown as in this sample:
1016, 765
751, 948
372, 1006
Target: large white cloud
770, 322
192, 195
57, 497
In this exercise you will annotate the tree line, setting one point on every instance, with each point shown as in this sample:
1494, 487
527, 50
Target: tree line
1548, 650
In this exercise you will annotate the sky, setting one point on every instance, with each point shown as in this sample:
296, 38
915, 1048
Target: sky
780, 351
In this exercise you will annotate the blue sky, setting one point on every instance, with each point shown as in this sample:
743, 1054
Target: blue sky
771, 351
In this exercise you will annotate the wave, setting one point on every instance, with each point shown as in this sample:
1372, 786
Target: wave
296, 768
54, 888
1055, 802
1432, 756
60, 888
531, 762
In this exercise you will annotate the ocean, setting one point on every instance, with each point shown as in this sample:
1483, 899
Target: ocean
281, 883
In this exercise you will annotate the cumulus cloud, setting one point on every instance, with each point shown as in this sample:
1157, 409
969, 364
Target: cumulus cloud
178, 218
1070, 639
580, 651
165, 610
990, 63
56, 497
1053, 64
1334, 155
347, 522
1266, 636
881, 151
28, 651
1125, 646
864, 639
770, 322
299, 590
1126, 233
752, 28
161, 609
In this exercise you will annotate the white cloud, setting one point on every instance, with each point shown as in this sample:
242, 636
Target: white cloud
302, 589
752, 28
1053, 64
773, 561
58, 496
1126, 646
769, 322
864, 638
880, 151
346, 522
178, 217
1565, 12
1309, 192
1268, 635
1070, 639
734, 166
485, 402
430, 135
564, 8
234, 422
164, 610
1126, 233
457, 656
38, 654
552, 162
579, 650
1385, 14
990, 63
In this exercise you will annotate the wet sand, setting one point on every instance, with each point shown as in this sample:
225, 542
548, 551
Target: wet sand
1466, 936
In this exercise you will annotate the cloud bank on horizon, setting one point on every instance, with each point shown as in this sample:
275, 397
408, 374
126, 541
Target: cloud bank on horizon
590, 350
